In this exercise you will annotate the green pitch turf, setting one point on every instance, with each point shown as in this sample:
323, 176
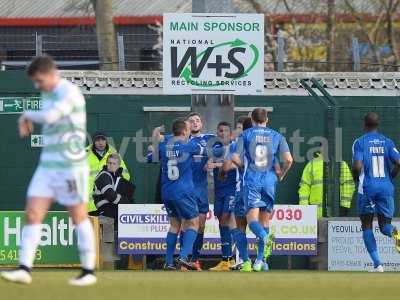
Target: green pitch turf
51, 285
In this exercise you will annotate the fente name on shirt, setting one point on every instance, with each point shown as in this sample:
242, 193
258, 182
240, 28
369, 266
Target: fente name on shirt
377, 150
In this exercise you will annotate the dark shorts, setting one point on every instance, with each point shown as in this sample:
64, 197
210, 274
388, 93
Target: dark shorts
224, 204
201, 193
183, 207
240, 210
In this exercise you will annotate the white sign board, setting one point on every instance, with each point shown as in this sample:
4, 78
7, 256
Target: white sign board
142, 230
213, 54
346, 250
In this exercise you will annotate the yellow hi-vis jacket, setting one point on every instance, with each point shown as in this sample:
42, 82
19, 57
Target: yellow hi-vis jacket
96, 165
312, 180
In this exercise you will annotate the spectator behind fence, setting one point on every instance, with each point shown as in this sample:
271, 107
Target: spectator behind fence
111, 189
97, 154
311, 190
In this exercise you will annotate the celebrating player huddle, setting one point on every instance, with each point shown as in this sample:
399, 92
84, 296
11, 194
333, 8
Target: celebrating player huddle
246, 171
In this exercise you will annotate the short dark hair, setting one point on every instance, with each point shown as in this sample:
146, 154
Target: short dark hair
259, 115
371, 120
224, 123
192, 114
41, 64
178, 127
247, 123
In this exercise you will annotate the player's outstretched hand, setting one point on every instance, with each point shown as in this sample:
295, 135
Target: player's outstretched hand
25, 127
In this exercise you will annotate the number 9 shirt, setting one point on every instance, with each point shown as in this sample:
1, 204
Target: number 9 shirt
262, 147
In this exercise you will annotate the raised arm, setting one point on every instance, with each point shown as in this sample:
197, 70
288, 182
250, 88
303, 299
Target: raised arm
228, 165
156, 136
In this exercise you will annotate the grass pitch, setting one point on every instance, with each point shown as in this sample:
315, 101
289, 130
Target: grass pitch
51, 285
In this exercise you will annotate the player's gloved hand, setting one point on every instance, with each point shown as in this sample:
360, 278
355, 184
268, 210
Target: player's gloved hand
25, 127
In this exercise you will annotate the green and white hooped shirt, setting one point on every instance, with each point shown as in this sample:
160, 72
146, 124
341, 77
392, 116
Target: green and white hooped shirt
63, 116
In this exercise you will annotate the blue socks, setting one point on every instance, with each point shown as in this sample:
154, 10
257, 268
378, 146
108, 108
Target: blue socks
261, 235
198, 244
226, 241
387, 230
181, 234
189, 236
239, 237
370, 244
171, 244
261, 243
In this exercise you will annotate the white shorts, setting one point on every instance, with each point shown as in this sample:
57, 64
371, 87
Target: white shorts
67, 187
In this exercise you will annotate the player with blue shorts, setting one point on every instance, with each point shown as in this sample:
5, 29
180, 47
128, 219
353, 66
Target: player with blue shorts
224, 190
376, 161
199, 168
238, 231
262, 146
176, 156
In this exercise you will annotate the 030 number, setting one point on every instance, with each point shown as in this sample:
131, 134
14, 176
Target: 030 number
287, 214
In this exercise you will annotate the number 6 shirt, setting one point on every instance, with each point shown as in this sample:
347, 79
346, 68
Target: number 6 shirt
176, 158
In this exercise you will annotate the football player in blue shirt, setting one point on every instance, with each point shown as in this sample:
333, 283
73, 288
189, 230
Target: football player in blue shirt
224, 190
176, 156
376, 161
199, 168
262, 147
238, 231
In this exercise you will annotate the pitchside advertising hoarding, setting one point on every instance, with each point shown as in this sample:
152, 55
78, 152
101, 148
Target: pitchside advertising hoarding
213, 54
142, 230
346, 250
58, 245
